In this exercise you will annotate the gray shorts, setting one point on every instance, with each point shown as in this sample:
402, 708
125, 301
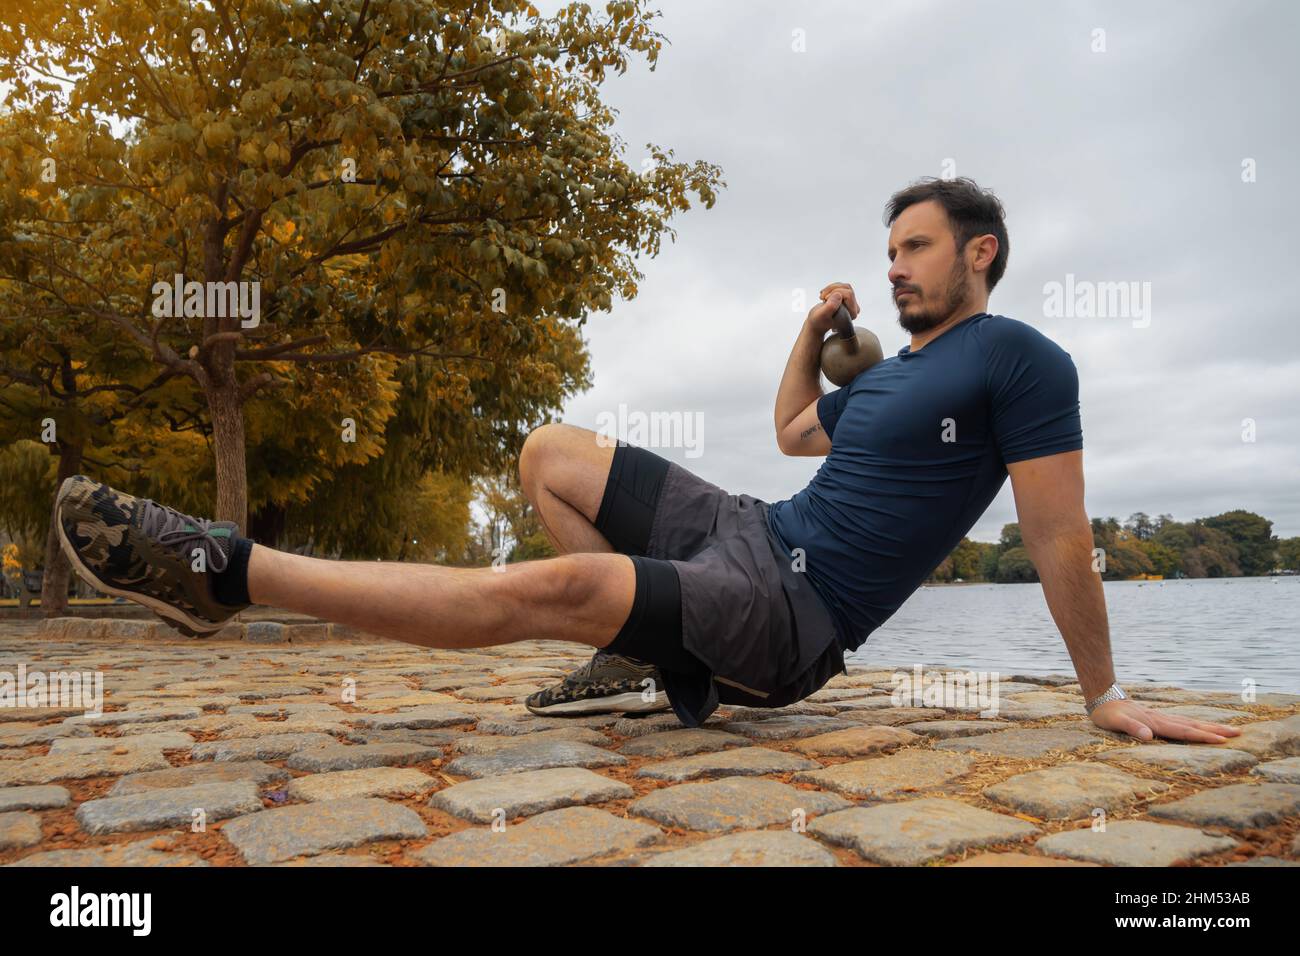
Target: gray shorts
762, 634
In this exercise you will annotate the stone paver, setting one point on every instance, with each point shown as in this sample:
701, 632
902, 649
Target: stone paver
737, 713
528, 754
916, 831
161, 809
645, 724
855, 741
254, 771
33, 798
681, 743
1238, 805
337, 756
25, 734
79, 766
947, 729
1214, 715
19, 828
1070, 791
521, 725
555, 838
369, 782
1286, 770
1268, 738
400, 735
522, 794
144, 852
432, 715
888, 716
785, 728
488, 743
735, 803
327, 718
896, 774
287, 832
1135, 843
172, 740
271, 747
297, 724
1027, 743
1040, 709
737, 762
755, 848
1201, 759
142, 715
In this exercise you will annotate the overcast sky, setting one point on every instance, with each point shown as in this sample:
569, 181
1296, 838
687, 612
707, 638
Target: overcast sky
1117, 166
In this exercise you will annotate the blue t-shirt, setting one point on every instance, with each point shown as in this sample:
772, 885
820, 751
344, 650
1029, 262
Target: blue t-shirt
919, 448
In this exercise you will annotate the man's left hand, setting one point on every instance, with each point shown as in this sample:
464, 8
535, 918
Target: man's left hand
1130, 717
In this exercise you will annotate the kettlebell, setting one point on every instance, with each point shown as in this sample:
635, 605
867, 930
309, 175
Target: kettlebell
848, 349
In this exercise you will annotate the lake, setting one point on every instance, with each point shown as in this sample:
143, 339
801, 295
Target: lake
1204, 634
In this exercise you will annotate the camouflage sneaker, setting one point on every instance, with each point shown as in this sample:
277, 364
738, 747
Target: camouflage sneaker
138, 549
608, 683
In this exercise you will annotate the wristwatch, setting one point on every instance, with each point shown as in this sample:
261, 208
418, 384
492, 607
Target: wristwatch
1113, 692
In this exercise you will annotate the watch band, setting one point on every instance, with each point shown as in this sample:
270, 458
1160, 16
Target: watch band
1113, 692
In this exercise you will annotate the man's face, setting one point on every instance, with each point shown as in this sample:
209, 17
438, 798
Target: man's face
930, 279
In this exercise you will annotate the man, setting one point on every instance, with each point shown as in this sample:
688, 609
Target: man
724, 598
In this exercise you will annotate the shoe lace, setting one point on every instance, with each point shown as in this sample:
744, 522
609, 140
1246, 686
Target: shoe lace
586, 669
168, 526
597, 659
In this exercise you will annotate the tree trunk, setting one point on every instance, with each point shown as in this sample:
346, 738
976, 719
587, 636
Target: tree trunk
54, 585
228, 449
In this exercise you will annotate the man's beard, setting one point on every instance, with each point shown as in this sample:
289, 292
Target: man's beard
924, 319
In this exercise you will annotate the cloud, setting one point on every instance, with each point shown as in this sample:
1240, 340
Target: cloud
1123, 165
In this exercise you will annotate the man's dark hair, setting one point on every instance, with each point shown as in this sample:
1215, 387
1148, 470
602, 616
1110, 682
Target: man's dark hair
972, 212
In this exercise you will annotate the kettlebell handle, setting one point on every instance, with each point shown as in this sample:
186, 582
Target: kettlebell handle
842, 323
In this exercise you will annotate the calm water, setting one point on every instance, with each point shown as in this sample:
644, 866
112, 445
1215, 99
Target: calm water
1208, 634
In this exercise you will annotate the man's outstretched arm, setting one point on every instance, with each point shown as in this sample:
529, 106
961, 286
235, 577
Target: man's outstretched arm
1058, 537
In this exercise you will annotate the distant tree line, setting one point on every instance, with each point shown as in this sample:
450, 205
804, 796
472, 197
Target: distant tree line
1233, 544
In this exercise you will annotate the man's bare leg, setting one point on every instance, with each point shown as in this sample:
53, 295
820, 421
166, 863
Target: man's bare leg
583, 595
578, 597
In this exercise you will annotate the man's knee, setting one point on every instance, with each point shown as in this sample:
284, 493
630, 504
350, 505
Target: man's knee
533, 456
578, 583
569, 461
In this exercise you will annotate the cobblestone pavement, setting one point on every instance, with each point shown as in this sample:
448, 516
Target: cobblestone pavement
243, 749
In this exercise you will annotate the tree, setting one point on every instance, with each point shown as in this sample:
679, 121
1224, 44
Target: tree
1015, 567
1204, 552
1125, 556
989, 556
513, 531
1010, 537
1141, 526
73, 406
24, 518
966, 560
1252, 534
1288, 554
256, 194
1165, 561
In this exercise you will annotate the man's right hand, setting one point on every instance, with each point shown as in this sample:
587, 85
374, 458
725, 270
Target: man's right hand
819, 317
